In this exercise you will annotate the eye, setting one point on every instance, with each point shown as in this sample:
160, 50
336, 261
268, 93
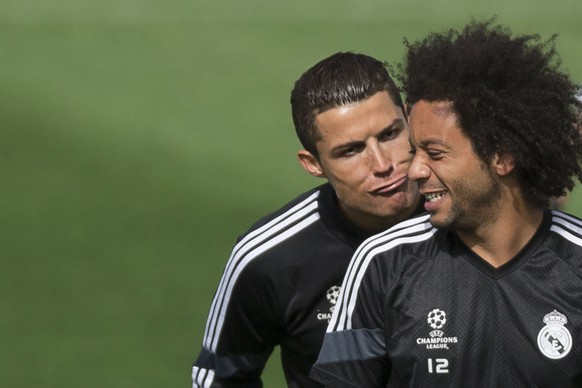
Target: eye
349, 150
434, 154
355, 149
388, 134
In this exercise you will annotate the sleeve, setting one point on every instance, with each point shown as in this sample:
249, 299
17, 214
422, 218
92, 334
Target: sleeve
353, 353
242, 327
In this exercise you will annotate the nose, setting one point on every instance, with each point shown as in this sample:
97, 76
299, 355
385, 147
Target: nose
380, 160
418, 170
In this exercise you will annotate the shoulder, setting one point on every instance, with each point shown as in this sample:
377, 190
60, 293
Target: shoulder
568, 226
259, 251
385, 249
565, 239
303, 205
375, 264
413, 231
283, 223
407, 234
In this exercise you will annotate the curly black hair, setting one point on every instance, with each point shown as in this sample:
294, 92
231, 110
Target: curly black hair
509, 96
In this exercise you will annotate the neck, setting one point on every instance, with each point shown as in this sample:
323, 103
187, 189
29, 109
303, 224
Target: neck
498, 241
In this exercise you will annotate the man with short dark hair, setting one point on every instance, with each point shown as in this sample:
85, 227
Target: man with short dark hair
281, 282
486, 289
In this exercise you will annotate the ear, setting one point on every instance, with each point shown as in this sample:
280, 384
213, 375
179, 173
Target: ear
310, 163
503, 164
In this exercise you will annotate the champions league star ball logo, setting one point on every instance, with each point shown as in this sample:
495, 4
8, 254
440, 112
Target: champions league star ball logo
554, 340
437, 319
332, 294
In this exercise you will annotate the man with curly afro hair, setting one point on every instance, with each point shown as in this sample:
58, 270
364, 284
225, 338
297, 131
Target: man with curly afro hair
486, 289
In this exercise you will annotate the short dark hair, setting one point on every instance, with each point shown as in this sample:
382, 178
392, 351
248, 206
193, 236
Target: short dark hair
509, 96
340, 79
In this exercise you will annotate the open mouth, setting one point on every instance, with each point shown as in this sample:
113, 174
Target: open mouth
433, 197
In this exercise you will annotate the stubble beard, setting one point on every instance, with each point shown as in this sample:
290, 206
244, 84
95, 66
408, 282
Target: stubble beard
475, 205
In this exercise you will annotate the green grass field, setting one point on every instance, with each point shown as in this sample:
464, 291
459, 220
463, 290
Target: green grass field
138, 138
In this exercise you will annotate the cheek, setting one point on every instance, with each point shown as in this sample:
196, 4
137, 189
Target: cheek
343, 167
468, 173
397, 150
348, 192
349, 173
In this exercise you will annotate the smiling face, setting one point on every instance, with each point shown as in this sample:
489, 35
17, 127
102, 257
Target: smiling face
364, 152
461, 192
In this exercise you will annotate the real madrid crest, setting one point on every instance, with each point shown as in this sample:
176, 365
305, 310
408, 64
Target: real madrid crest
554, 339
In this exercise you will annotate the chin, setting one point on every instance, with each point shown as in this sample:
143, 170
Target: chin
439, 222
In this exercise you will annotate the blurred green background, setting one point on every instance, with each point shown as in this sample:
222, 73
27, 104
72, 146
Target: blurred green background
139, 138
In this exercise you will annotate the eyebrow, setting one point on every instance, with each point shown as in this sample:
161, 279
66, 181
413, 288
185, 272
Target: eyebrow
396, 122
427, 142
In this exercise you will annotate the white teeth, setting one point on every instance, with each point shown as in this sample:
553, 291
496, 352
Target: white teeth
435, 196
